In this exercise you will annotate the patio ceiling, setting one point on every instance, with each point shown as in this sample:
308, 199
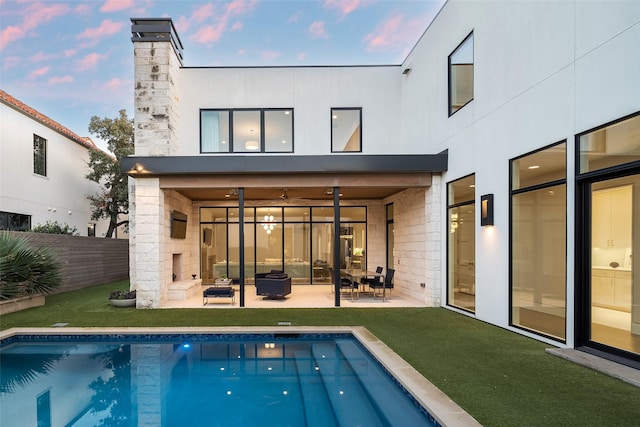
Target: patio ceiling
294, 196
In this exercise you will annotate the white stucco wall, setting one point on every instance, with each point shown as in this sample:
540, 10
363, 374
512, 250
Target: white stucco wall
310, 91
60, 196
543, 72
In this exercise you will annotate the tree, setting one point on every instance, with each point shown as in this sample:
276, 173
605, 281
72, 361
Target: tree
113, 200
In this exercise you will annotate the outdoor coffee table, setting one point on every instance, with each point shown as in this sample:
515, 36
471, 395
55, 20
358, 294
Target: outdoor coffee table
218, 292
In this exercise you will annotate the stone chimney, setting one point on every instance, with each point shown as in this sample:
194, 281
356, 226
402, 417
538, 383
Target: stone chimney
157, 54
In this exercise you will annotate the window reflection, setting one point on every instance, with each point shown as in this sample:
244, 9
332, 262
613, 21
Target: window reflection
461, 284
461, 75
346, 132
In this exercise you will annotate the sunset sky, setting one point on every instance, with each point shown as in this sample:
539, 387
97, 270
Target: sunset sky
71, 60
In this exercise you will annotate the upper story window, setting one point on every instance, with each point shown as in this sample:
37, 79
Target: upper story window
246, 131
612, 145
39, 155
461, 75
346, 131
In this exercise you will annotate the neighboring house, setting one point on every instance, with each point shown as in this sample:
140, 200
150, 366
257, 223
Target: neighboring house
42, 177
497, 169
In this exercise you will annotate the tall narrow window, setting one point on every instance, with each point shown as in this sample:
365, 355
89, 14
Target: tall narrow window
278, 131
346, 130
461, 75
39, 155
390, 236
461, 277
214, 131
539, 241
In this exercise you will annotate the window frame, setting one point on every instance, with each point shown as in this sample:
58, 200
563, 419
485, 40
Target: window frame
332, 118
450, 110
529, 189
260, 130
39, 155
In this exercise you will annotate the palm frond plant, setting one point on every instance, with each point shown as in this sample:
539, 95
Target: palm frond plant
24, 270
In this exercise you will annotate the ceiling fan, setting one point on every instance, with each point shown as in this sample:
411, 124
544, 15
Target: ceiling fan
285, 198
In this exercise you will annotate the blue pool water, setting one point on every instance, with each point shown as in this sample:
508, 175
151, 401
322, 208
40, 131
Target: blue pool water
271, 380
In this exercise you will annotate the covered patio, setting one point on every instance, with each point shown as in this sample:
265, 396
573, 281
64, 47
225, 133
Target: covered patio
301, 296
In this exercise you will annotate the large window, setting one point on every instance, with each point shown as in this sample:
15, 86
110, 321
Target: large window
461, 275
538, 241
461, 75
14, 221
39, 155
298, 240
346, 130
246, 131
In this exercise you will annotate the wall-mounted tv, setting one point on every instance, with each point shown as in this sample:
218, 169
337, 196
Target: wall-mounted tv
178, 225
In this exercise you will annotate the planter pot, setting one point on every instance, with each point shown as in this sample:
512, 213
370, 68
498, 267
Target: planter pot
123, 302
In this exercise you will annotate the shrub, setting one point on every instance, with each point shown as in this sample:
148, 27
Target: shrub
24, 270
122, 295
53, 227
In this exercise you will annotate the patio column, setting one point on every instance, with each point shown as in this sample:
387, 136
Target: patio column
241, 242
336, 244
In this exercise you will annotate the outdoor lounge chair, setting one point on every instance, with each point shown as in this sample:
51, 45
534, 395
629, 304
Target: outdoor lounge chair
383, 284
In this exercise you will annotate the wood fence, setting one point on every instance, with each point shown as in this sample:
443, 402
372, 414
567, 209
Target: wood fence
84, 261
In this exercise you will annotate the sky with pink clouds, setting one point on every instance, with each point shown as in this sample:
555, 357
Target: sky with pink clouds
71, 60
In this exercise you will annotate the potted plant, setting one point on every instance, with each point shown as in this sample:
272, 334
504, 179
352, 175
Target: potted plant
123, 298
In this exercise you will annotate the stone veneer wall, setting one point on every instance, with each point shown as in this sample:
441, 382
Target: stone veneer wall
156, 75
146, 239
417, 243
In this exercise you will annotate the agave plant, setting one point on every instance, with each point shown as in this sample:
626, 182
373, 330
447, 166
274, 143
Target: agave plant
25, 270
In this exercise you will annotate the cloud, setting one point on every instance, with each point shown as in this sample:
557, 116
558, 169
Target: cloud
345, 7
302, 56
106, 28
41, 56
60, 80
90, 61
115, 84
399, 33
295, 17
317, 30
69, 52
114, 5
212, 33
83, 9
387, 35
203, 13
38, 73
34, 15
208, 35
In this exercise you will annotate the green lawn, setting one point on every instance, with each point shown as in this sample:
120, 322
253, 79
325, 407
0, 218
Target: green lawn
499, 377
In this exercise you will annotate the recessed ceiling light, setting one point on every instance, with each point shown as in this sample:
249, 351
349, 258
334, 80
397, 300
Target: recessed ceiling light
533, 167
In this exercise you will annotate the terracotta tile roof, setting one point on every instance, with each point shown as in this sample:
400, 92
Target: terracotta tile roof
12, 102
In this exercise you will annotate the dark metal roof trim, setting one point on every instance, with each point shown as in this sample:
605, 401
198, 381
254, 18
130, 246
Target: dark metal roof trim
377, 163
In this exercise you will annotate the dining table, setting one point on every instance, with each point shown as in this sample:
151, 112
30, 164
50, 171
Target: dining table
355, 274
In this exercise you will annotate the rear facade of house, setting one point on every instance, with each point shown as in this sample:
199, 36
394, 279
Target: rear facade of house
496, 170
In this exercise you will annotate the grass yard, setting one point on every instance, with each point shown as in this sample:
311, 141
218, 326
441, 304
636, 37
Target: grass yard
499, 377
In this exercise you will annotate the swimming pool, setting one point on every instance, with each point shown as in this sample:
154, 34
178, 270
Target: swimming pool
252, 379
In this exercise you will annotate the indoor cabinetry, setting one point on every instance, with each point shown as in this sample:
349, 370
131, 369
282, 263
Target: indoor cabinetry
611, 289
611, 222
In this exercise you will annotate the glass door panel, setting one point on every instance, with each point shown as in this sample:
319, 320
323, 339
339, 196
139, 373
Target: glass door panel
322, 249
615, 288
296, 252
462, 248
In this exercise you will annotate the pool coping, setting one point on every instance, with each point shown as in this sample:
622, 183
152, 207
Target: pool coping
444, 410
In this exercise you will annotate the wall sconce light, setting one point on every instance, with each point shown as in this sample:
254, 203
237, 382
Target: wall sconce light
486, 209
